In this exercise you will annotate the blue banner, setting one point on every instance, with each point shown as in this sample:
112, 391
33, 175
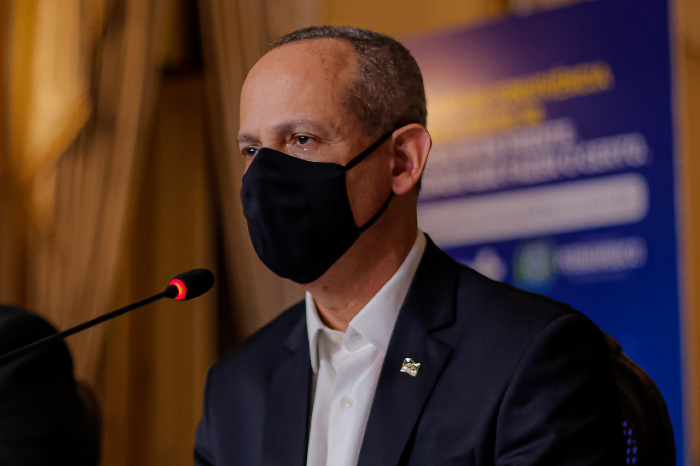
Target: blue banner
553, 167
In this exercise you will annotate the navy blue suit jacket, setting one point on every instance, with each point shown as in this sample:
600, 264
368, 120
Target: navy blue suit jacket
507, 377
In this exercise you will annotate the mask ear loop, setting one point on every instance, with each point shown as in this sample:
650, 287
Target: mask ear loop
368, 151
376, 216
359, 159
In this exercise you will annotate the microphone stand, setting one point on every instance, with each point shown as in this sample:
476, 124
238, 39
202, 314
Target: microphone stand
168, 293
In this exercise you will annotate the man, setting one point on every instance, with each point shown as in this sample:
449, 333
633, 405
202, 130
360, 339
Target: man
398, 355
43, 420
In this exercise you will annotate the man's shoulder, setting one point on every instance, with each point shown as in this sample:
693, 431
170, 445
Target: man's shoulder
482, 299
264, 348
505, 315
522, 365
499, 299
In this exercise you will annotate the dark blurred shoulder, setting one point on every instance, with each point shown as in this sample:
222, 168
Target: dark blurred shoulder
20, 327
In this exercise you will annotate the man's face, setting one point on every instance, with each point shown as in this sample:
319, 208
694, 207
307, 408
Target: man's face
292, 101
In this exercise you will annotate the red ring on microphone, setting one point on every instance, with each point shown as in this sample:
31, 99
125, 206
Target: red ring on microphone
181, 288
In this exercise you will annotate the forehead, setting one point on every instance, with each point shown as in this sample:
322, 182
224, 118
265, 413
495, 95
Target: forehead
307, 79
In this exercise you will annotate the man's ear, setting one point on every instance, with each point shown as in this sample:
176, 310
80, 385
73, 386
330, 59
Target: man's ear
411, 147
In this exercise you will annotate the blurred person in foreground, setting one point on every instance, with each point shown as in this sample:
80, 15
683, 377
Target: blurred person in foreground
43, 419
398, 355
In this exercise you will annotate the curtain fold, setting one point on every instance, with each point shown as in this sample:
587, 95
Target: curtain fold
152, 375
50, 87
78, 86
12, 214
77, 261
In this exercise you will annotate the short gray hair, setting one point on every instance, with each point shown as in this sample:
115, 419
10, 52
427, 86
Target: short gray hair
389, 92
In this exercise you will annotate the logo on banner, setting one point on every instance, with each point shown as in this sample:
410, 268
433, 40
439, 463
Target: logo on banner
533, 265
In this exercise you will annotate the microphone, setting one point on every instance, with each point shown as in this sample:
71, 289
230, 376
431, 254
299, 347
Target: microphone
191, 284
183, 287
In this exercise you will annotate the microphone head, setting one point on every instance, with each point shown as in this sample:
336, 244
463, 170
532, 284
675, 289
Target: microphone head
190, 284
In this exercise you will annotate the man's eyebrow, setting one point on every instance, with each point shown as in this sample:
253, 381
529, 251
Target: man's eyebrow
296, 125
290, 126
246, 139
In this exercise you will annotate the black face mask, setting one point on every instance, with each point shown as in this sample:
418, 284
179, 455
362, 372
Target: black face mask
298, 212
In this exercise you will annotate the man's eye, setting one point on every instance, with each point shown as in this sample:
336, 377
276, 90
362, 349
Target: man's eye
250, 151
303, 139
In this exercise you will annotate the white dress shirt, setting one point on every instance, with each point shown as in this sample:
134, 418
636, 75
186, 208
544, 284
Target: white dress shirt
346, 367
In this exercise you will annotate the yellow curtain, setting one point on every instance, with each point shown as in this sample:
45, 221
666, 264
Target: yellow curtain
120, 200
152, 376
77, 97
76, 261
45, 101
50, 99
13, 222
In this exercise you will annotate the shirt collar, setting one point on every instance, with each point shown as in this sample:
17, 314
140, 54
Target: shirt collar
376, 319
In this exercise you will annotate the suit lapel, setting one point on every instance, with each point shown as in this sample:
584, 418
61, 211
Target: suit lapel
285, 437
400, 398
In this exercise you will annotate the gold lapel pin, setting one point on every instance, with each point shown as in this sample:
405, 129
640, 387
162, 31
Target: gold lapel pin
410, 367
